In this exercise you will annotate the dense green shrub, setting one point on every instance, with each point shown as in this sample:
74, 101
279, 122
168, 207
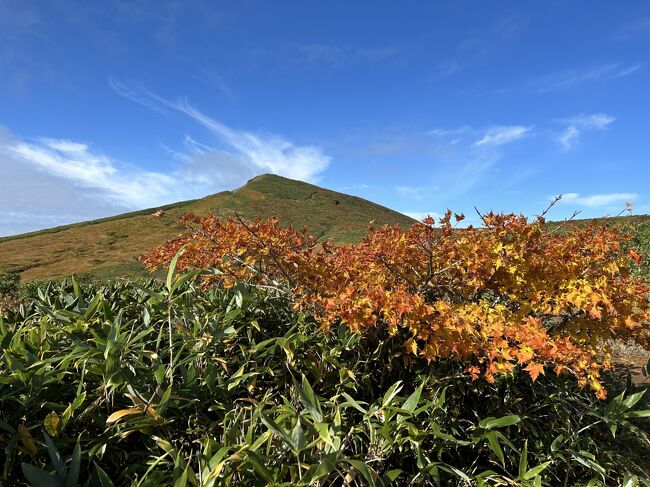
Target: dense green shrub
170, 385
9, 282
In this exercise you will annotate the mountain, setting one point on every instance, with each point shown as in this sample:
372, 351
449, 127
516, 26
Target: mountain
109, 247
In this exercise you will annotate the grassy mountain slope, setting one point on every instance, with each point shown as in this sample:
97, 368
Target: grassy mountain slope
109, 246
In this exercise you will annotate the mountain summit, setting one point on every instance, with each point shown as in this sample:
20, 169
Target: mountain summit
109, 246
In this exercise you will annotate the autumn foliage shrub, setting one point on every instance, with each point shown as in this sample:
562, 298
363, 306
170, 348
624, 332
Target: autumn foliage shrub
509, 296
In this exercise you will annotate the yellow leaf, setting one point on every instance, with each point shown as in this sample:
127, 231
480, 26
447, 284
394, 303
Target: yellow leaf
411, 346
52, 424
117, 415
27, 440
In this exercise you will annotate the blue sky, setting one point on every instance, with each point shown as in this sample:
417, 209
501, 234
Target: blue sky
107, 107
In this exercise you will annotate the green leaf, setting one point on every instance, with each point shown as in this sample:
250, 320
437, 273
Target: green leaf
259, 467
318, 471
630, 481
491, 422
644, 413
523, 460
270, 424
39, 478
309, 400
412, 402
583, 458
632, 400
298, 436
92, 307
182, 480
104, 479
363, 469
149, 292
184, 278
75, 467
352, 402
67, 414
453, 470
55, 456
614, 404
495, 446
323, 431
435, 430
392, 475
75, 286
172, 269
535, 471
557, 442
391, 393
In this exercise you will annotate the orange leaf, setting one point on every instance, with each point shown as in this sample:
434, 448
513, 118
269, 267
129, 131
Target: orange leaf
635, 256
534, 370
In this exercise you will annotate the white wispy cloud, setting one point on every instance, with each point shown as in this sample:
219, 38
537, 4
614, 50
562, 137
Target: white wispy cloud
575, 126
342, 55
213, 80
76, 162
249, 151
38, 193
74, 174
574, 77
502, 134
358, 186
479, 47
444, 132
455, 135
17, 18
596, 200
639, 27
416, 192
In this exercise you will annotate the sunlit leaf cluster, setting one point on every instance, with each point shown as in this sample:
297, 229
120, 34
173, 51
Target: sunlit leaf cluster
505, 297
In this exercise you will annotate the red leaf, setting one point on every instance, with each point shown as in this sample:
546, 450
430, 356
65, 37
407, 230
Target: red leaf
635, 256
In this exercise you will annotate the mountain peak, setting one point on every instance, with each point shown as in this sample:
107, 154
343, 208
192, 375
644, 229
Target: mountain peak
110, 246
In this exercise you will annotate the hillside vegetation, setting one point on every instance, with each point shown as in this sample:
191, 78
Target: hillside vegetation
109, 247
415, 357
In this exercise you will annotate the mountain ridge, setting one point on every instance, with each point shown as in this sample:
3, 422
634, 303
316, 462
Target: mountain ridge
108, 247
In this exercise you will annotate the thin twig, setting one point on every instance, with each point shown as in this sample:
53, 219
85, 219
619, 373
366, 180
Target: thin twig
551, 205
482, 217
570, 219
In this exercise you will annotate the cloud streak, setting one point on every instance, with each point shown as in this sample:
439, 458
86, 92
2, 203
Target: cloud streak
77, 163
597, 200
575, 126
502, 134
416, 192
255, 152
73, 174
572, 78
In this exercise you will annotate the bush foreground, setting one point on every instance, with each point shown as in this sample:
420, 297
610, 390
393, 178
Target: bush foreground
174, 385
